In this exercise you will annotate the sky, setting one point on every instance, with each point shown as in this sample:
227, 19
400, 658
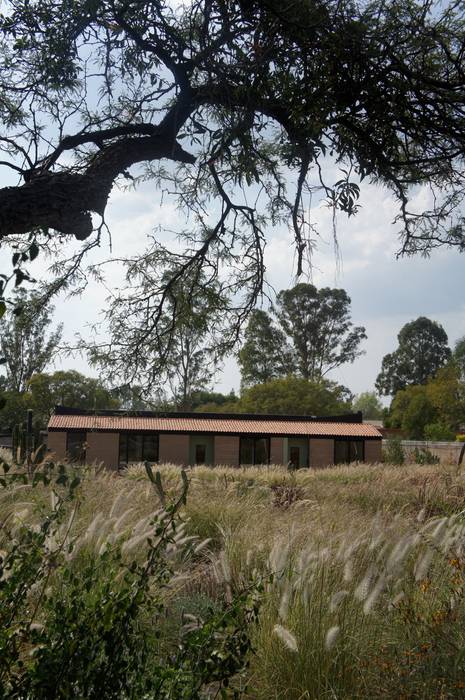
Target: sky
386, 292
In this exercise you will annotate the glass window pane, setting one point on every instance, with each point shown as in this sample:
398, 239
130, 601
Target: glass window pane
294, 457
123, 448
200, 454
261, 451
151, 448
341, 451
246, 450
76, 447
356, 450
135, 448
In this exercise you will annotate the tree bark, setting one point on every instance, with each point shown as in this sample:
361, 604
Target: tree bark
64, 201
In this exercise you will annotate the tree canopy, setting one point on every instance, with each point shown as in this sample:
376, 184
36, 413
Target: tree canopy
434, 410
295, 395
224, 100
423, 349
369, 404
318, 323
26, 344
459, 355
265, 354
44, 391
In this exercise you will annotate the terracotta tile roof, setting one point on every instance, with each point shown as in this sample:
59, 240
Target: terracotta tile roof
211, 425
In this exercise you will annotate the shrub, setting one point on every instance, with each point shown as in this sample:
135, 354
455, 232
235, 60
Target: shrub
393, 453
424, 456
439, 431
79, 622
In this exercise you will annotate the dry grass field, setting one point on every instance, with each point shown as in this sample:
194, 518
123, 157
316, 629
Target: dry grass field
362, 567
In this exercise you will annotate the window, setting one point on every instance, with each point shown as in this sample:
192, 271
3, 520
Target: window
76, 446
294, 457
346, 451
200, 454
246, 451
138, 447
254, 450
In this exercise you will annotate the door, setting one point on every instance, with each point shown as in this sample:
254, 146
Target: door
200, 454
294, 457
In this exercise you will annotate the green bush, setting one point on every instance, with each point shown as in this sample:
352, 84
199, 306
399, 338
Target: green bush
439, 431
424, 456
86, 624
393, 453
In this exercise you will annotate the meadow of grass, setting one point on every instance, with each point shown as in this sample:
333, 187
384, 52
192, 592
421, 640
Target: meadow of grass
362, 568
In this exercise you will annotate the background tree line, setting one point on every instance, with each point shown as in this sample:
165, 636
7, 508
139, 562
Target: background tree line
284, 360
286, 355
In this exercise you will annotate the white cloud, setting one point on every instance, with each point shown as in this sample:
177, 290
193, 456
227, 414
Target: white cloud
385, 292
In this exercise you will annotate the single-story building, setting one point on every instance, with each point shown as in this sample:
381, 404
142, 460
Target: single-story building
119, 438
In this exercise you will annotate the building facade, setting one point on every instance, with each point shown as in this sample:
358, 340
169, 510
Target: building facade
118, 438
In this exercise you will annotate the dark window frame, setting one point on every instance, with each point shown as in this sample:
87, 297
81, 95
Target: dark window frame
348, 442
83, 442
255, 438
291, 461
198, 459
143, 436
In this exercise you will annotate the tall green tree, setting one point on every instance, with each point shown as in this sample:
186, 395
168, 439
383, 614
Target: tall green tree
173, 352
27, 343
13, 409
446, 391
265, 354
214, 100
68, 388
369, 404
412, 410
132, 397
317, 321
459, 355
434, 410
422, 350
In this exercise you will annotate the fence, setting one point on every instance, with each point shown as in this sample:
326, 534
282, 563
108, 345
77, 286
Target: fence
448, 452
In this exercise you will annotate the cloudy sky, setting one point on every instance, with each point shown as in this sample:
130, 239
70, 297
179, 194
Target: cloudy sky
385, 292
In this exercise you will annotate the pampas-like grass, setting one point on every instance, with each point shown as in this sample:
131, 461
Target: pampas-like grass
286, 637
350, 561
331, 637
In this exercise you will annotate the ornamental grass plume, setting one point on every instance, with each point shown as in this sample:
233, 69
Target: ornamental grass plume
286, 637
337, 599
331, 637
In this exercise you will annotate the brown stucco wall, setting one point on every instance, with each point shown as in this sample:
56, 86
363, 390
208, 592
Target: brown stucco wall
277, 451
321, 452
103, 448
227, 450
174, 448
372, 451
56, 443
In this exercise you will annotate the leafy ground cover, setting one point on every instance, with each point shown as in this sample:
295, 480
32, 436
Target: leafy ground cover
340, 583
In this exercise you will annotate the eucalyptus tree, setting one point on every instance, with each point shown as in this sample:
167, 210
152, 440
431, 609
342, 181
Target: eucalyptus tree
459, 355
422, 350
28, 344
317, 321
238, 110
265, 353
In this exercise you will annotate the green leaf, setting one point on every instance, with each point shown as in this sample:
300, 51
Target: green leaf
33, 250
149, 471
